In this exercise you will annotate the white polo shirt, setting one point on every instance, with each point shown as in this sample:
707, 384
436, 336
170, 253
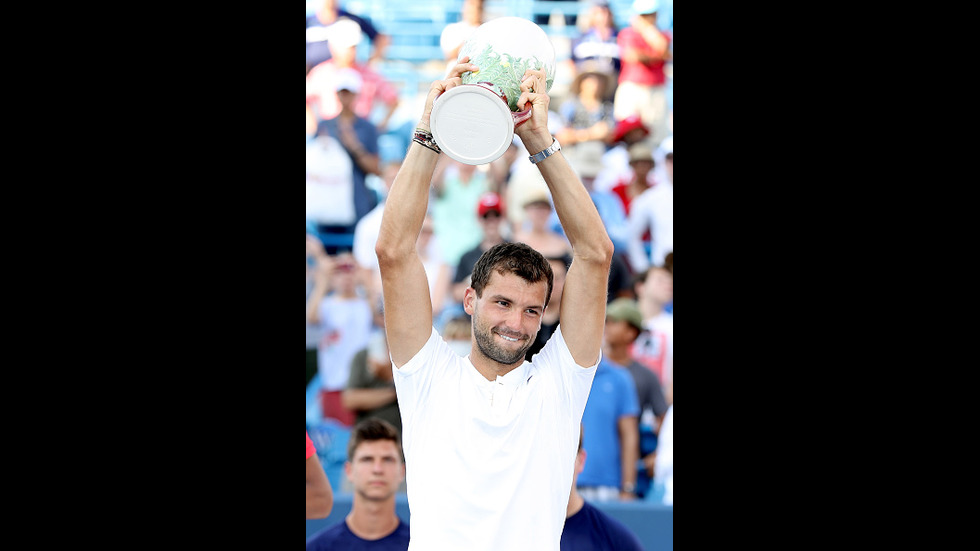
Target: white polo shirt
489, 463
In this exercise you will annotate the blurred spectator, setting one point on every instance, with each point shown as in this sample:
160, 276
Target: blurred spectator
455, 34
587, 528
457, 188
536, 231
550, 318
588, 117
366, 235
641, 165
502, 168
644, 49
328, 13
344, 315
624, 323
321, 87
329, 185
654, 347
314, 250
490, 213
370, 391
555, 16
319, 493
588, 164
663, 479
458, 333
664, 158
611, 425
437, 271
596, 46
375, 467
651, 223
615, 161
359, 138
620, 278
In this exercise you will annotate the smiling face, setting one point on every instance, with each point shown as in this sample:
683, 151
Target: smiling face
507, 317
509, 290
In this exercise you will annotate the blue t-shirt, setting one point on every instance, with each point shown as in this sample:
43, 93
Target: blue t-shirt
339, 536
613, 395
592, 530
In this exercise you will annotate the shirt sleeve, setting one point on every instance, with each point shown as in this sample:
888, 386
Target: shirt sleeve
413, 381
556, 361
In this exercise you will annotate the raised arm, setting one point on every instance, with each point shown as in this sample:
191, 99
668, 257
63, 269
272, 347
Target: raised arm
408, 309
583, 305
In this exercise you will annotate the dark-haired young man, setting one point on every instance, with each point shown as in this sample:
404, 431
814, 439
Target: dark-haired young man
490, 439
375, 468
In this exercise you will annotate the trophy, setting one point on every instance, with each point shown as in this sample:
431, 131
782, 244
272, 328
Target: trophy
474, 123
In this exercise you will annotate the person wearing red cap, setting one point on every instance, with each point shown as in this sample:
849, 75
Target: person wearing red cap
490, 212
628, 131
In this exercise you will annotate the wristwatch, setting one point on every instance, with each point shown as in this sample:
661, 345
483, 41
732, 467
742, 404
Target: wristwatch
542, 155
629, 488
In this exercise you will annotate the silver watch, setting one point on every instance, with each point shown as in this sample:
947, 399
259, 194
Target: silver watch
542, 155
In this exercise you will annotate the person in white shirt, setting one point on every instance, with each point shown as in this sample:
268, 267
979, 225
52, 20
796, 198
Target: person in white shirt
663, 477
490, 439
653, 211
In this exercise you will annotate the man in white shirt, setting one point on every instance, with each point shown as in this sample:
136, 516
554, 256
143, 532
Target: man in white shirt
490, 439
653, 211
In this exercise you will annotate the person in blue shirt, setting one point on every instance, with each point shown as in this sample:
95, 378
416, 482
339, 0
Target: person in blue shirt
612, 421
589, 529
375, 467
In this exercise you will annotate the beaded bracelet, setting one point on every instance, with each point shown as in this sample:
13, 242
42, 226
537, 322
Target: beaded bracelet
425, 139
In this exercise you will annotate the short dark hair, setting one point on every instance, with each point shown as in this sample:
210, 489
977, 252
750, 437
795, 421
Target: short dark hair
516, 258
370, 430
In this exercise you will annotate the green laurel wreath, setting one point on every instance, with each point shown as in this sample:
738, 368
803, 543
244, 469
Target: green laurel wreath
504, 72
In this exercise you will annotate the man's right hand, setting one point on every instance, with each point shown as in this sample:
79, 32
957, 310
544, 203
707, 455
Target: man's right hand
440, 86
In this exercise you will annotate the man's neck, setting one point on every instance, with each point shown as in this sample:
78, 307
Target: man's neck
617, 353
372, 520
491, 369
575, 503
651, 309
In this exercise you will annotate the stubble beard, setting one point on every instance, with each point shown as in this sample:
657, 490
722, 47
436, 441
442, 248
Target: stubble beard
489, 348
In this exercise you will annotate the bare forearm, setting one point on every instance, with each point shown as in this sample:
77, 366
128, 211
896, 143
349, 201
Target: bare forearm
406, 203
576, 211
319, 493
630, 446
367, 398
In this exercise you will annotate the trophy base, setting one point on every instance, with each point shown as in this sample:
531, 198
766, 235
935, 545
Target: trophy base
471, 124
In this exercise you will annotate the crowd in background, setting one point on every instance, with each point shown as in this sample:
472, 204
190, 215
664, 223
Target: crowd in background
613, 115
